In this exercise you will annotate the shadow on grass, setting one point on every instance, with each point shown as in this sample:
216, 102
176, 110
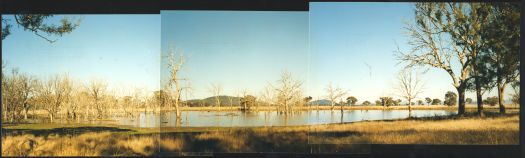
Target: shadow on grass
242, 141
65, 131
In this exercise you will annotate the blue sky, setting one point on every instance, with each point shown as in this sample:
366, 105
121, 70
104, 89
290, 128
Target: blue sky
345, 37
120, 49
333, 42
237, 49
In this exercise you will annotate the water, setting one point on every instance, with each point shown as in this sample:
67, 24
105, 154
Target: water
270, 118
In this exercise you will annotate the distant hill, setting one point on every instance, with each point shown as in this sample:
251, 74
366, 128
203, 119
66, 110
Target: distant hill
210, 101
320, 102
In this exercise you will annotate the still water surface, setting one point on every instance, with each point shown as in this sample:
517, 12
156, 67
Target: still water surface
270, 118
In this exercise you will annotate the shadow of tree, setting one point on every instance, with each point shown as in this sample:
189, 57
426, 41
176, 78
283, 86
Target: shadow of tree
65, 131
252, 141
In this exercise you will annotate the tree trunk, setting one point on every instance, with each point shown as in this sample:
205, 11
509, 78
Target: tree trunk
51, 117
25, 114
461, 100
501, 91
409, 108
479, 97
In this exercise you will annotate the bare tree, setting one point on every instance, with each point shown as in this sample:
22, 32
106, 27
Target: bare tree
216, 90
4, 86
409, 85
54, 93
288, 90
268, 96
334, 94
78, 99
17, 92
175, 64
97, 90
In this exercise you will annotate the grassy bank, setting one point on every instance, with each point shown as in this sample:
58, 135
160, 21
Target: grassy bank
81, 140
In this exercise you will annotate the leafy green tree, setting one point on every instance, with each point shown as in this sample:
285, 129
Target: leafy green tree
436, 101
420, 102
501, 48
366, 103
247, 102
397, 102
516, 95
428, 100
378, 103
307, 99
446, 33
36, 23
468, 100
351, 100
387, 101
450, 98
492, 101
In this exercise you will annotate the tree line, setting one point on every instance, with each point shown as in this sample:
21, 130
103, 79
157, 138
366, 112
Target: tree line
62, 97
481, 39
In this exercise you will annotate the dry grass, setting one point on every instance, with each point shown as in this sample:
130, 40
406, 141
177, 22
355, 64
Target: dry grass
462, 130
489, 130
87, 144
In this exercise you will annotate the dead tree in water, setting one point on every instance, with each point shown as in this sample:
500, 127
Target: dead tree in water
97, 89
288, 91
334, 94
409, 85
216, 90
175, 65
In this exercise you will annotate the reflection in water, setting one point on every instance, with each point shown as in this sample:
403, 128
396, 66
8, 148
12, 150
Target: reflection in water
267, 118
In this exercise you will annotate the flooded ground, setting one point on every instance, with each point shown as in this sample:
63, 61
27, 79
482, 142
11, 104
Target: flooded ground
270, 118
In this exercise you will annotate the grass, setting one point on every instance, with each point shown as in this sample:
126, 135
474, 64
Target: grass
105, 140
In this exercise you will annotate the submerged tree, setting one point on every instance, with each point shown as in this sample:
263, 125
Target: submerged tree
288, 90
409, 85
97, 90
334, 94
54, 93
216, 90
174, 65
247, 102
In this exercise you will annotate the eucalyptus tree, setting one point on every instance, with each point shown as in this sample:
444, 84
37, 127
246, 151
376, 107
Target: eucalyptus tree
351, 100
450, 98
36, 23
501, 52
446, 33
428, 100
